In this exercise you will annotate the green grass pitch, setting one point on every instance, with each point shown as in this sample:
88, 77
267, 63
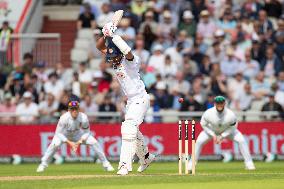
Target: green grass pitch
212, 175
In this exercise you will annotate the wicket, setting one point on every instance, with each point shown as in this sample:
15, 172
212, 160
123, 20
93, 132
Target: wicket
186, 145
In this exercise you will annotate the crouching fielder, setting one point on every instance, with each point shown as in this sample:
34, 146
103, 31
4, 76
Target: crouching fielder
73, 128
219, 123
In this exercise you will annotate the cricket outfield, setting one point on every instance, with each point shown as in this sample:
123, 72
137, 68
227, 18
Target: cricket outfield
213, 175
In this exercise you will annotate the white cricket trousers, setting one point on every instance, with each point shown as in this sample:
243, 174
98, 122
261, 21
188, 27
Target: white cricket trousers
237, 136
132, 139
57, 142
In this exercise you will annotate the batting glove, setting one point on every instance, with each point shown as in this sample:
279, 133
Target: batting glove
109, 29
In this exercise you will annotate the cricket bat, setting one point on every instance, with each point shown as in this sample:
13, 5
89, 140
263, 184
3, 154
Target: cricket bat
117, 17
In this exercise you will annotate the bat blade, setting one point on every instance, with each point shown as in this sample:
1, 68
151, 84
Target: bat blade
117, 17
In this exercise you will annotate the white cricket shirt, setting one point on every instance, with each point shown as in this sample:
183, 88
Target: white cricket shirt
127, 73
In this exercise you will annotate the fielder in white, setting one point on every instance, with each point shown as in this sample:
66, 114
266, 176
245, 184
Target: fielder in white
126, 68
219, 123
73, 128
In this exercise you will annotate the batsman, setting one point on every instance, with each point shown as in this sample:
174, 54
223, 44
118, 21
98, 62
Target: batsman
126, 68
219, 123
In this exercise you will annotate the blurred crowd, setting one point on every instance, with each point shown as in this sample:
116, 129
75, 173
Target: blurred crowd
194, 49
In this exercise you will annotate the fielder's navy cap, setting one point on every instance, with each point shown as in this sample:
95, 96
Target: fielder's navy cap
73, 105
112, 49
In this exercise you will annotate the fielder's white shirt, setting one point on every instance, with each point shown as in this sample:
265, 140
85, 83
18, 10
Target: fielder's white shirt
215, 123
127, 74
68, 127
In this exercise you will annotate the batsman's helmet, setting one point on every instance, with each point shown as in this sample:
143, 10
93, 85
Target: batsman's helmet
112, 50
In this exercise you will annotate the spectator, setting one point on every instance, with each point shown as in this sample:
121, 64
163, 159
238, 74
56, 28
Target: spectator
116, 94
260, 86
157, 59
251, 7
89, 106
197, 6
166, 26
28, 63
229, 66
126, 31
190, 104
76, 85
149, 118
105, 16
116, 5
142, 53
148, 75
174, 96
266, 26
107, 106
37, 85
271, 105
215, 53
187, 42
175, 54
209, 103
280, 81
273, 8
197, 55
161, 95
243, 100
251, 67
103, 80
227, 23
63, 103
7, 107
15, 85
40, 71
169, 68
5, 34
47, 108
54, 86
247, 24
87, 18
85, 75
199, 41
190, 68
206, 66
188, 23
149, 37
27, 111
236, 85
279, 39
271, 64
198, 90
138, 7
279, 95
218, 84
149, 21
220, 37
180, 83
206, 27
94, 53
257, 52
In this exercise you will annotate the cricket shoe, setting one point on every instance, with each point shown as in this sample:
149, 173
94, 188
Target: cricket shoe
250, 166
144, 165
41, 168
108, 167
122, 171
